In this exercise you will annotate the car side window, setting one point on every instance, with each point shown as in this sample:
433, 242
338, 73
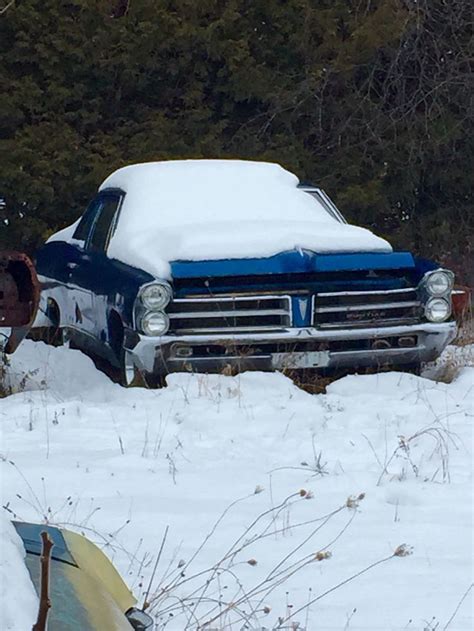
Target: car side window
84, 226
103, 223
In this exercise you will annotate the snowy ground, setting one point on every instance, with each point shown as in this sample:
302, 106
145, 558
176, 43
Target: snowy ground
123, 465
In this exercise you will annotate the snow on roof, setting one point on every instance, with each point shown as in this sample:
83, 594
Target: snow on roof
196, 210
221, 209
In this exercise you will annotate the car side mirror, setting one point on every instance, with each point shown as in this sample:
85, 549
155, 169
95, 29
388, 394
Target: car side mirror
139, 620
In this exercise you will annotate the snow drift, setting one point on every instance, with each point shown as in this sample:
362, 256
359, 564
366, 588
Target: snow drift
17, 594
120, 465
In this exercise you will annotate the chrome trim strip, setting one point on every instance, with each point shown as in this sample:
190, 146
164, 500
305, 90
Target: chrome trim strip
232, 329
401, 321
365, 293
360, 352
300, 334
325, 201
377, 351
220, 298
369, 307
224, 314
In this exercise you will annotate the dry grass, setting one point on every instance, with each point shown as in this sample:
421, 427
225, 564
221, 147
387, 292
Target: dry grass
465, 334
458, 355
197, 599
310, 380
5, 388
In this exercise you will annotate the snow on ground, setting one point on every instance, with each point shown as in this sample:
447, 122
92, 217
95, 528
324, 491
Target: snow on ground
17, 594
123, 465
451, 361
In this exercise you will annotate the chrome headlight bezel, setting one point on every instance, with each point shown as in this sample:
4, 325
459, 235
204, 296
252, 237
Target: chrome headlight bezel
155, 296
428, 283
148, 323
430, 304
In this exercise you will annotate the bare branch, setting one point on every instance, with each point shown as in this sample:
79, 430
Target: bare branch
45, 603
6, 7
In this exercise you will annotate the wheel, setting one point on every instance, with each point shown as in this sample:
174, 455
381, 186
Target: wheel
129, 376
124, 371
128, 373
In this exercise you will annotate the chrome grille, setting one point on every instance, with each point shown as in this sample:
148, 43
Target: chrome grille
352, 309
229, 314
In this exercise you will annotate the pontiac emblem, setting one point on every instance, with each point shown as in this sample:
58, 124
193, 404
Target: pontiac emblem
303, 307
365, 315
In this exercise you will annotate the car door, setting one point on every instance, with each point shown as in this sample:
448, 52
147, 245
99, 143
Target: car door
89, 276
78, 300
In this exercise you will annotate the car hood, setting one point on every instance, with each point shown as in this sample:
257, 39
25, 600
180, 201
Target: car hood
155, 251
294, 262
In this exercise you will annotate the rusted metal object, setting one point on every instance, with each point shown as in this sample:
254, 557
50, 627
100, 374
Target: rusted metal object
19, 296
462, 303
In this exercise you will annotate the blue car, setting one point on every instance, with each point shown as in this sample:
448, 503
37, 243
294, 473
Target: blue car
227, 265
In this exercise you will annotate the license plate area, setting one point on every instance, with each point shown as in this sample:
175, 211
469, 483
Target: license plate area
308, 359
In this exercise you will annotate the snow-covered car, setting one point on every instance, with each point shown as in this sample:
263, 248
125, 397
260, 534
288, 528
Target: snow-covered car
226, 265
19, 297
86, 592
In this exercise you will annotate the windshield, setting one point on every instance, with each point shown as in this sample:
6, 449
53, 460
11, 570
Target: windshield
204, 193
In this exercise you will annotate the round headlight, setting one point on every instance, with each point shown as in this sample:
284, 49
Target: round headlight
155, 323
437, 310
439, 283
155, 296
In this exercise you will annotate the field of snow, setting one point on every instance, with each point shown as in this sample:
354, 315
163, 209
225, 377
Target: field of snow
262, 498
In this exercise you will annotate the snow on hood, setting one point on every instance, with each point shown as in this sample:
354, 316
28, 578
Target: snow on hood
234, 240
221, 209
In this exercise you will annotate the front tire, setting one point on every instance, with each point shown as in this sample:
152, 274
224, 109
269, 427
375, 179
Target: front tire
129, 375
124, 371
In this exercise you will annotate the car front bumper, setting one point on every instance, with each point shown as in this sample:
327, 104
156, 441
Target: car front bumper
290, 349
